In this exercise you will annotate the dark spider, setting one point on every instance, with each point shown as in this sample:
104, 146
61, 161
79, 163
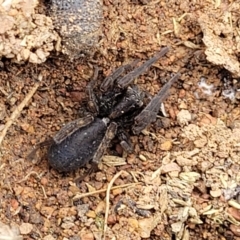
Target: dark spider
118, 106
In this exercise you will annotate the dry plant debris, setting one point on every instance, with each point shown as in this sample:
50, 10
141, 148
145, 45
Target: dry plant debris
209, 165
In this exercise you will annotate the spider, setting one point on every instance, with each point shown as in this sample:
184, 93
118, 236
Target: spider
119, 105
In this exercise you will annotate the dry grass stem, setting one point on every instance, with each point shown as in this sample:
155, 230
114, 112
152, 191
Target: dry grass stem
108, 202
79, 196
17, 111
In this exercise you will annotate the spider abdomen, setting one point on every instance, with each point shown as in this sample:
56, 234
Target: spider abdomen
78, 148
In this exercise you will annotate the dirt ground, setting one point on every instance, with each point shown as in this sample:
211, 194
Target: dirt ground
181, 182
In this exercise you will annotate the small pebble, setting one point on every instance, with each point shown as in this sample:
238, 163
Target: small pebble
234, 213
117, 191
184, 117
14, 204
235, 229
216, 193
25, 228
44, 181
87, 236
100, 207
91, 214
166, 146
112, 219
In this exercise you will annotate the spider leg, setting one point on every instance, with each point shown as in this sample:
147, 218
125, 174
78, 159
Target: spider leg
45, 143
92, 100
125, 140
127, 79
109, 135
108, 81
72, 127
149, 113
64, 132
91, 170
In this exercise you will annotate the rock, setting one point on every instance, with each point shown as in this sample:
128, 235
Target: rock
184, 117
25, 228
78, 23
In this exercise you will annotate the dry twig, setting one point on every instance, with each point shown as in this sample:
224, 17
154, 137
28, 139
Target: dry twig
79, 196
107, 202
17, 111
